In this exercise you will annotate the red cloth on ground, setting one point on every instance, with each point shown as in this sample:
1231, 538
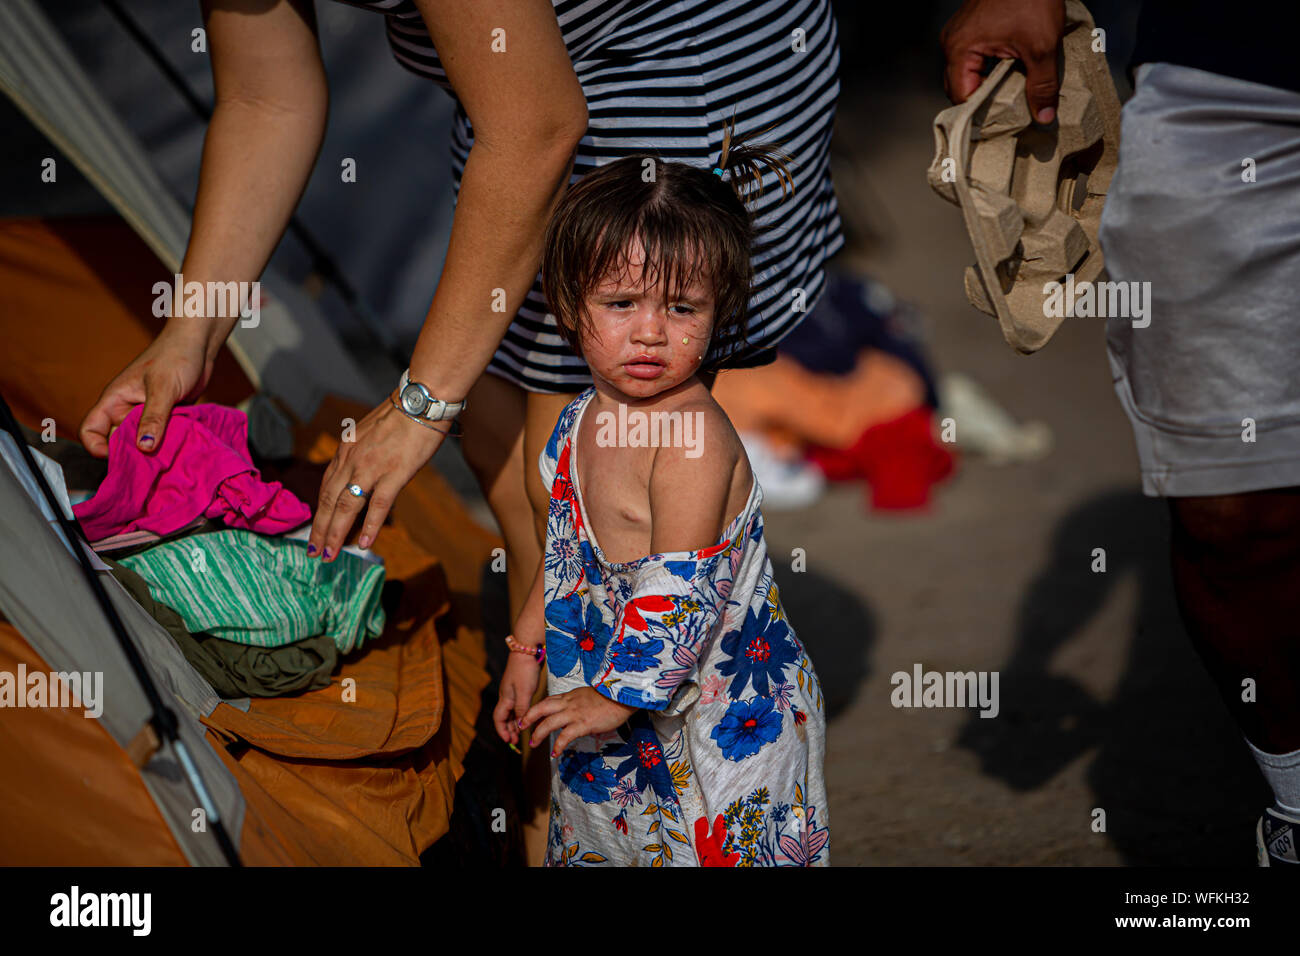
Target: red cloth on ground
899, 458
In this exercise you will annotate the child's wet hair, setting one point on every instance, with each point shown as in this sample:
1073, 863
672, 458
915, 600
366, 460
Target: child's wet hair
693, 225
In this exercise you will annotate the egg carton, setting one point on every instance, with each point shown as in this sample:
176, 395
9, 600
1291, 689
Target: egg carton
1031, 196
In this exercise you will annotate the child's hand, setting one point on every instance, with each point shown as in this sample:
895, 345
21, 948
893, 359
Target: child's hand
575, 714
518, 685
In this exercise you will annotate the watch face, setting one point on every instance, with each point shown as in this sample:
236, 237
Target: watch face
414, 400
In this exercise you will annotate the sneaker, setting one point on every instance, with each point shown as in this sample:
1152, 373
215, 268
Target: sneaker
1275, 838
986, 428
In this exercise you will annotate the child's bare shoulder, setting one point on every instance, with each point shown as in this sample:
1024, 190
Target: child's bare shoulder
705, 446
692, 481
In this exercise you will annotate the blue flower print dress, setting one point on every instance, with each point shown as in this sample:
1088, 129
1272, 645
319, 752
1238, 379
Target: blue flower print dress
722, 766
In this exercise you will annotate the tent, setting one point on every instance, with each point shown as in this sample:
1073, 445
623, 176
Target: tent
168, 768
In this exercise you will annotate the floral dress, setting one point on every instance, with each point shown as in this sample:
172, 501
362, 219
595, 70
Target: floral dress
722, 765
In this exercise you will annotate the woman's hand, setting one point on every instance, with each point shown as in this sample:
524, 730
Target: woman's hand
518, 685
576, 714
389, 449
175, 367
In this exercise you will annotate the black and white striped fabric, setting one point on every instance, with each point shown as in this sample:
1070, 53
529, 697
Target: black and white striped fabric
664, 77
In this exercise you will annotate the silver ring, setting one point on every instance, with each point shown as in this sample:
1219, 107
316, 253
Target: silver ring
356, 492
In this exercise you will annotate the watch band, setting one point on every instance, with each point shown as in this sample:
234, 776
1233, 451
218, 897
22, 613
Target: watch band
435, 409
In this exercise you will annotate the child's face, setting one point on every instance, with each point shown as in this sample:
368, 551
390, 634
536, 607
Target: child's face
643, 344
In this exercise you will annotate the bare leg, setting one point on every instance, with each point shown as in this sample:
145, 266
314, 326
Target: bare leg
1236, 562
493, 447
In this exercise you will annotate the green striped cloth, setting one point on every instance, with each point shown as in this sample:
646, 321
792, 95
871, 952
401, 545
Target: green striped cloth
264, 591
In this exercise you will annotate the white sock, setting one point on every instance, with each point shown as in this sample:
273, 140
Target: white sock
1282, 771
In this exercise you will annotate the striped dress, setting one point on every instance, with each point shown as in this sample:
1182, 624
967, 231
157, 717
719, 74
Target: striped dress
664, 77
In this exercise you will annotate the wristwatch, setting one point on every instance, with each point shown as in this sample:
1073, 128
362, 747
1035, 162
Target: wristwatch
418, 403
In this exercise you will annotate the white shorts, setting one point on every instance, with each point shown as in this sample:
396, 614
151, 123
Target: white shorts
1212, 384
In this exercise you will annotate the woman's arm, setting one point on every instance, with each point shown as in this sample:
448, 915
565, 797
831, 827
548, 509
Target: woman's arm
272, 101
259, 149
528, 113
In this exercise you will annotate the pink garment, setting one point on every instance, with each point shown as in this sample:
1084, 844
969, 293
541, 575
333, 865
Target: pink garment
131, 539
202, 469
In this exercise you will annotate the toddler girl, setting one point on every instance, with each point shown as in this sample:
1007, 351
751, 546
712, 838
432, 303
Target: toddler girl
688, 722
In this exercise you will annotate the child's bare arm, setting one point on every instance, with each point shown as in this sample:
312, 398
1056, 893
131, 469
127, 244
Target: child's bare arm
688, 503
530, 627
688, 496
522, 674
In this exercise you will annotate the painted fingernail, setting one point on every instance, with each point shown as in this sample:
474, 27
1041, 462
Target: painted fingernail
327, 554
1046, 115
520, 723
554, 754
146, 441
311, 549
515, 749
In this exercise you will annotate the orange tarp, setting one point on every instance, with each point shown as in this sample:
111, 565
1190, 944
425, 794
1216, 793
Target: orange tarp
76, 303
71, 795
795, 406
374, 778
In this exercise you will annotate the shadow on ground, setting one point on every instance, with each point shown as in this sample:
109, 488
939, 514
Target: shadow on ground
1169, 760
838, 630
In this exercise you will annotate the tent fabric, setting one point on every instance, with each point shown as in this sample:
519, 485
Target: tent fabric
80, 285
81, 801
324, 781
42, 76
43, 594
75, 303
319, 781
372, 781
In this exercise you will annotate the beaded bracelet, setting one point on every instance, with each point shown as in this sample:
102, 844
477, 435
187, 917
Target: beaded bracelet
538, 653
